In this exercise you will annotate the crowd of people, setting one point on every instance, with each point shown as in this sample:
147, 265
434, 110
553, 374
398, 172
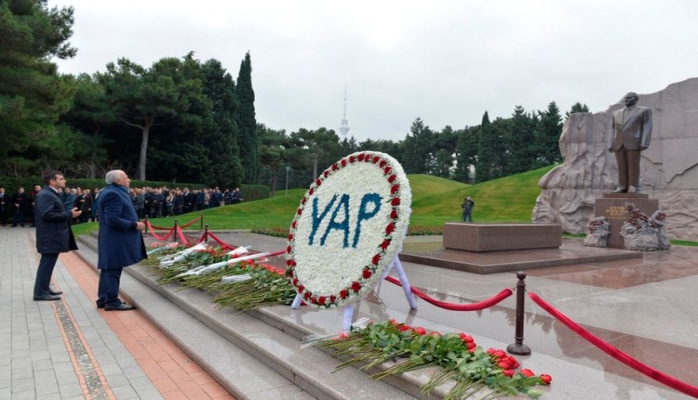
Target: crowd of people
18, 208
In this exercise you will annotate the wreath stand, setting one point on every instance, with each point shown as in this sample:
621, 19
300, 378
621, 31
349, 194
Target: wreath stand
349, 309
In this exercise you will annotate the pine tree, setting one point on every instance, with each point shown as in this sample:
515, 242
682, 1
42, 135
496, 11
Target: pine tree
246, 121
548, 132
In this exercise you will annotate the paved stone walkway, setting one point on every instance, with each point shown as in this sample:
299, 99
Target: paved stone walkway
68, 349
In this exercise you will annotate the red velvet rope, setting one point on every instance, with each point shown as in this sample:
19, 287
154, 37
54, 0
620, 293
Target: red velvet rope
181, 236
453, 306
203, 237
614, 352
156, 236
223, 244
190, 223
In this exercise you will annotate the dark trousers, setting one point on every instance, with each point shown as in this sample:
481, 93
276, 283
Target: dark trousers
108, 290
18, 217
628, 167
44, 273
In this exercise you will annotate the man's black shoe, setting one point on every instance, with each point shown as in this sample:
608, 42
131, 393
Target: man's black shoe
54, 292
120, 307
46, 297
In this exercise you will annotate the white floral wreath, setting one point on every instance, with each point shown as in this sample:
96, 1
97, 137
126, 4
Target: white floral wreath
348, 227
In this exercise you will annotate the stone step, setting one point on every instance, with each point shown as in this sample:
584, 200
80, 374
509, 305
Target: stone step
255, 355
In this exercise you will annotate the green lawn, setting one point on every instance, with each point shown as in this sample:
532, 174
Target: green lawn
434, 202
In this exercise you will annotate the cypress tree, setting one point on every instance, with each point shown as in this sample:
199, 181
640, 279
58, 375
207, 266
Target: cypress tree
246, 121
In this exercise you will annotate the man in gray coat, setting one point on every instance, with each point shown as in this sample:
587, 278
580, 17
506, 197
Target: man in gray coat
53, 233
632, 131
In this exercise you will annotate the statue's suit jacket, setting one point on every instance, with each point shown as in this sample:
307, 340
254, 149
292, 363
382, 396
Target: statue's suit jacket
632, 131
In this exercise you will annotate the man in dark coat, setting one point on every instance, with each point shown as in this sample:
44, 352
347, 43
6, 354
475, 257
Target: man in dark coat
20, 200
53, 233
3, 205
120, 242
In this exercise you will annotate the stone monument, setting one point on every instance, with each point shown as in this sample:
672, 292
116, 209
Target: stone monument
668, 168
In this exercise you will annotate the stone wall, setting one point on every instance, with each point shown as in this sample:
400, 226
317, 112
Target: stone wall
668, 169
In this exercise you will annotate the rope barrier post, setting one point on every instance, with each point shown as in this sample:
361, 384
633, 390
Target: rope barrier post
206, 233
518, 347
174, 231
146, 227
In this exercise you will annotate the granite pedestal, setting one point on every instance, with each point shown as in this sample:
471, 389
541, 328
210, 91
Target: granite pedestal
614, 207
496, 237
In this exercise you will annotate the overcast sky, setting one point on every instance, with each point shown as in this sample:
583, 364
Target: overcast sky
446, 62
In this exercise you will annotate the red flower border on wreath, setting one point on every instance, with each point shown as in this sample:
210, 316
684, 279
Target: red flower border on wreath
370, 268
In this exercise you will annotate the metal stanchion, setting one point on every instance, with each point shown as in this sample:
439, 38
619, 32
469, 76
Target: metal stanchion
206, 233
174, 231
145, 233
518, 347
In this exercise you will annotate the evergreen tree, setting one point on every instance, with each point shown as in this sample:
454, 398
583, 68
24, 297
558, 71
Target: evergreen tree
576, 108
226, 167
246, 120
32, 94
466, 154
418, 147
486, 147
548, 132
520, 142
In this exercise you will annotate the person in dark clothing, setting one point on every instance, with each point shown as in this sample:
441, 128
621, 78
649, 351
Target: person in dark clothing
120, 241
20, 202
53, 233
3, 206
467, 207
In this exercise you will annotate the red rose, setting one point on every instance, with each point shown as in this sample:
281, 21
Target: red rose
289, 249
311, 191
293, 224
393, 214
508, 372
344, 162
333, 299
299, 211
352, 159
295, 282
420, 331
385, 244
376, 259
290, 237
382, 163
390, 228
376, 159
355, 286
326, 173
387, 170
394, 189
334, 167
291, 263
344, 293
318, 182
321, 300
307, 295
392, 178
361, 157
395, 202
527, 373
367, 273
301, 288
545, 379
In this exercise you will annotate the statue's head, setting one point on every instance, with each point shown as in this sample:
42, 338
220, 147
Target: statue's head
630, 99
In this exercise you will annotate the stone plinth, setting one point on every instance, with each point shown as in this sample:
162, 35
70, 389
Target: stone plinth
613, 207
492, 237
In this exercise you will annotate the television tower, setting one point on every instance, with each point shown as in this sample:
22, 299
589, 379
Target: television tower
344, 125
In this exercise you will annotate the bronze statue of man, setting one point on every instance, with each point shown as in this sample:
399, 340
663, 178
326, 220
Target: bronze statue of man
632, 131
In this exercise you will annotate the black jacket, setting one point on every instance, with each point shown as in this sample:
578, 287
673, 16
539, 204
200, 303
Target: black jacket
53, 233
